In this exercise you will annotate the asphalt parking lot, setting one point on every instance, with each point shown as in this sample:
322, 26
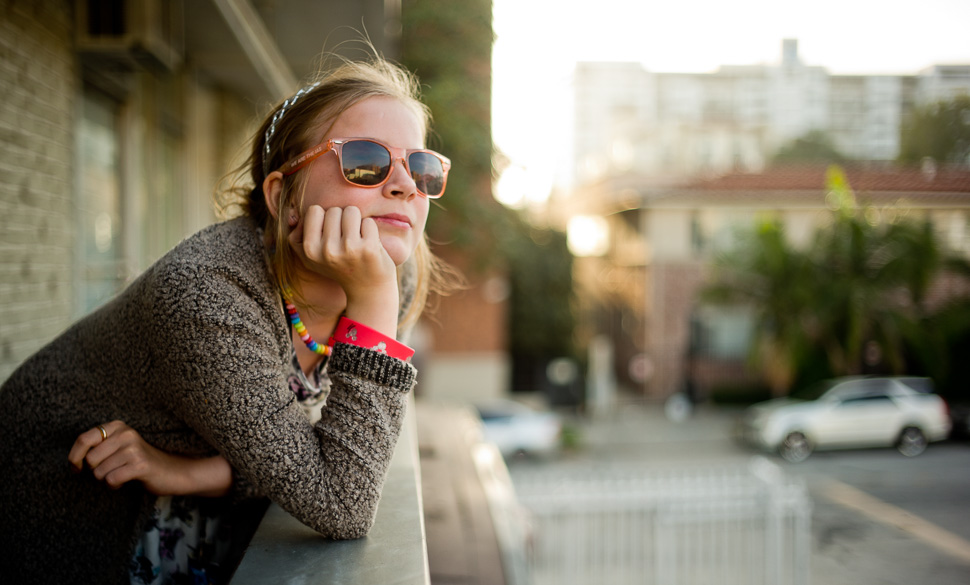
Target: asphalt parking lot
877, 517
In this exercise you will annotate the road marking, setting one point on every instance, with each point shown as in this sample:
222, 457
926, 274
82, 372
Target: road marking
890, 515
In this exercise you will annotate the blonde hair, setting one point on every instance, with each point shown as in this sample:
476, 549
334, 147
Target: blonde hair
290, 127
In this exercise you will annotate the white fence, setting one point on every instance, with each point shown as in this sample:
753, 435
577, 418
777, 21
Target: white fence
746, 524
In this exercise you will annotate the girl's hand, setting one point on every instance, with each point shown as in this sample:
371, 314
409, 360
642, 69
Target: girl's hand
123, 456
341, 245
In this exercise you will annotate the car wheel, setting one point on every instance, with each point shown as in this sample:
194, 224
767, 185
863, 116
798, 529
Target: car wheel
911, 442
796, 447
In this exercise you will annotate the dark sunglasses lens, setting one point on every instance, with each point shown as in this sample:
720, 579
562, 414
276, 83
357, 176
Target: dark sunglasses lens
365, 163
427, 172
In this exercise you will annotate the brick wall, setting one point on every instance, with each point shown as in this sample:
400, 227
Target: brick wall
462, 347
675, 289
38, 86
473, 319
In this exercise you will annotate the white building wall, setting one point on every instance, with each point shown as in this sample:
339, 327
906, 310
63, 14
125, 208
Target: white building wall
669, 231
614, 113
942, 82
847, 103
883, 116
737, 118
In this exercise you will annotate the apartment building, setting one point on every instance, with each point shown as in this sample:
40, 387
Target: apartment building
737, 117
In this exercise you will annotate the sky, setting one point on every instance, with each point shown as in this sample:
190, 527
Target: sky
538, 43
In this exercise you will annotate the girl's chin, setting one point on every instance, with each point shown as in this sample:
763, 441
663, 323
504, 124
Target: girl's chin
398, 252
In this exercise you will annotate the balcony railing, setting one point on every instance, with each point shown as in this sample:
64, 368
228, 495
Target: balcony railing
394, 552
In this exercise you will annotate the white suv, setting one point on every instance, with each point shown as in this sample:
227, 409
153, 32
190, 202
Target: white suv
847, 413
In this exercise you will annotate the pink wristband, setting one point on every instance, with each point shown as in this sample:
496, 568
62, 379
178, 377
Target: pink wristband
354, 333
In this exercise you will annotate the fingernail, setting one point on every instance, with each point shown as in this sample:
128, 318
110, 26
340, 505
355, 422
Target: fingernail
293, 220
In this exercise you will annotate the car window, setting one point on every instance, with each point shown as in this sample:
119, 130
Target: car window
920, 385
494, 414
865, 385
501, 411
865, 399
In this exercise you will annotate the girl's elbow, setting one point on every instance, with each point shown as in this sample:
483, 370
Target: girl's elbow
352, 532
350, 526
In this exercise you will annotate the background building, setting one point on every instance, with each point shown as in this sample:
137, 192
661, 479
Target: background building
736, 118
676, 162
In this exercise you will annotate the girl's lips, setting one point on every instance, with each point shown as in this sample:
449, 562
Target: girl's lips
394, 219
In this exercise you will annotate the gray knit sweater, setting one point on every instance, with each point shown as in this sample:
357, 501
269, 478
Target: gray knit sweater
194, 355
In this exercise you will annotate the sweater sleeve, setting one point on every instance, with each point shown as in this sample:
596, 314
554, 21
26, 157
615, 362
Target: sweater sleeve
222, 363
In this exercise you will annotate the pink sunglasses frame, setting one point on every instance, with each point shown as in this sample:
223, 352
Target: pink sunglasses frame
336, 144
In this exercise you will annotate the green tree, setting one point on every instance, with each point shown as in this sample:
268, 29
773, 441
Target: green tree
813, 147
448, 45
940, 131
860, 283
859, 276
945, 360
766, 274
542, 271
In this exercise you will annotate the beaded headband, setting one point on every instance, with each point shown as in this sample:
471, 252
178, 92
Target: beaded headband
276, 118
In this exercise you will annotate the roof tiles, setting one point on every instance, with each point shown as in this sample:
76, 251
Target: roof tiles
802, 178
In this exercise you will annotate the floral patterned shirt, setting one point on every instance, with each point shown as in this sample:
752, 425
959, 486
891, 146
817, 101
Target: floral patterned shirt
189, 540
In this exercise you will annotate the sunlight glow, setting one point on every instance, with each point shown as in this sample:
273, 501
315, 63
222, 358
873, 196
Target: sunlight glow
588, 235
519, 187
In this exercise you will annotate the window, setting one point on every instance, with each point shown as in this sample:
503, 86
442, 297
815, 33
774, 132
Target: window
698, 239
866, 399
100, 259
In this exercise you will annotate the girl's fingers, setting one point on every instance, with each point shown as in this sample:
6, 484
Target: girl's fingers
332, 234
84, 443
120, 477
121, 439
341, 244
306, 238
369, 231
122, 457
296, 234
350, 224
123, 466
90, 440
115, 460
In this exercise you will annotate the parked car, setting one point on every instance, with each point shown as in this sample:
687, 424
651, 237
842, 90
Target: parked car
516, 428
848, 413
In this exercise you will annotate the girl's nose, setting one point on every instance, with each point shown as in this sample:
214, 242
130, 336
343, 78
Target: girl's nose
400, 183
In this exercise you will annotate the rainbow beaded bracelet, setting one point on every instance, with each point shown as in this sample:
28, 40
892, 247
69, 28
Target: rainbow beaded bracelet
301, 328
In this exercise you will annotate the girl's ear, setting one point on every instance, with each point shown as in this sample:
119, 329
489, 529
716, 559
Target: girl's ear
273, 191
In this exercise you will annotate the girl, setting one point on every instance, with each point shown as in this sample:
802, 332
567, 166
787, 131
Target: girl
206, 353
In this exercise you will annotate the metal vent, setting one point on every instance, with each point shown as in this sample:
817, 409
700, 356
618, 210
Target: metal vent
130, 33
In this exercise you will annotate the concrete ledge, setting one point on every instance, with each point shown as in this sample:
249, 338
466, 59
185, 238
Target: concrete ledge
395, 551
475, 526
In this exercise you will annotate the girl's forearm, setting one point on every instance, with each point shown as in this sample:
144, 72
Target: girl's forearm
210, 477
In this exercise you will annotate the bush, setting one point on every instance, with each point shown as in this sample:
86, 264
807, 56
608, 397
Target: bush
740, 394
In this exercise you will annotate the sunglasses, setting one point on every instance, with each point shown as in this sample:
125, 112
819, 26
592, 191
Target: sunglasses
365, 162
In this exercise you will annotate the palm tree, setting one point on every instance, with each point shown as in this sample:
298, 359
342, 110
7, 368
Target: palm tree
859, 269
765, 273
860, 285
